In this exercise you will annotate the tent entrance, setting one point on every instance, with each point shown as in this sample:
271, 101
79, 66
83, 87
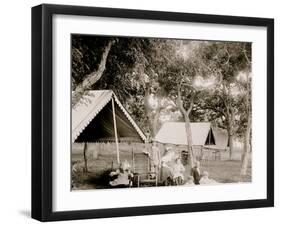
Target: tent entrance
101, 128
210, 140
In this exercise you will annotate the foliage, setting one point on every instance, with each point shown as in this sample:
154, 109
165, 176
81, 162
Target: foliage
140, 69
227, 61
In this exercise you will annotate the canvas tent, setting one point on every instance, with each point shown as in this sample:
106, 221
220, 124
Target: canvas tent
100, 117
221, 138
175, 133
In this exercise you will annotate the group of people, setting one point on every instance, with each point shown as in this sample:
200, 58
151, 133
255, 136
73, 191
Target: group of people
197, 178
169, 167
173, 171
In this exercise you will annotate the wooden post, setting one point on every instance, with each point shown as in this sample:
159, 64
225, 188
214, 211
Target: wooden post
85, 157
115, 130
133, 160
148, 163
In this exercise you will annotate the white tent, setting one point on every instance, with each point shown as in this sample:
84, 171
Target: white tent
100, 116
94, 103
175, 133
221, 137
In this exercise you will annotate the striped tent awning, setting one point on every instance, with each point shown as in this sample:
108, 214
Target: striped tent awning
92, 119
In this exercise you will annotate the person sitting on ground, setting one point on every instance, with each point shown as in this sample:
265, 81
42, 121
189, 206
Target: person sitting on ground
189, 181
122, 176
195, 172
75, 167
177, 172
206, 180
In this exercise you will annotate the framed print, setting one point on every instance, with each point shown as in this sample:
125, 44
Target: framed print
146, 112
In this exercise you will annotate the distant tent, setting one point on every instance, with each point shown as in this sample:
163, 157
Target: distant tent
221, 137
93, 121
175, 133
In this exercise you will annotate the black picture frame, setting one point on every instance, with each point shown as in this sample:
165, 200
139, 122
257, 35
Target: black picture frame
42, 111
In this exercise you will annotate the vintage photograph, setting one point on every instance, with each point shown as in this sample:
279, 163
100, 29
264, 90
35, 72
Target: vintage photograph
152, 112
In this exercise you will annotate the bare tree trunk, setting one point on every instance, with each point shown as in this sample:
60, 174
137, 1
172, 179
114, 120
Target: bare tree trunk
247, 146
85, 157
229, 114
231, 144
152, 114
186, 113
189, 140
149, 112
156, 116
93, 77
230, 134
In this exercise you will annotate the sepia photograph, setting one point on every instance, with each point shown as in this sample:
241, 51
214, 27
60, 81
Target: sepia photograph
156, 112
142, 112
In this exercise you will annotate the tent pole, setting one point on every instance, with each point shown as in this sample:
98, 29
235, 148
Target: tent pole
115, 130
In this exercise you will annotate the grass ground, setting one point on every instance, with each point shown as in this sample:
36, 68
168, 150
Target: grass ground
223, 171
227, 171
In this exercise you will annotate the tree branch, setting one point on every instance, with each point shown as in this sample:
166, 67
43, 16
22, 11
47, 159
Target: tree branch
245, 54
228, 56
93, 77
191, 102
223, 113
179, 100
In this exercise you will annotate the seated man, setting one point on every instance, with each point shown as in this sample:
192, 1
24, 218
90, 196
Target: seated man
122, 176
